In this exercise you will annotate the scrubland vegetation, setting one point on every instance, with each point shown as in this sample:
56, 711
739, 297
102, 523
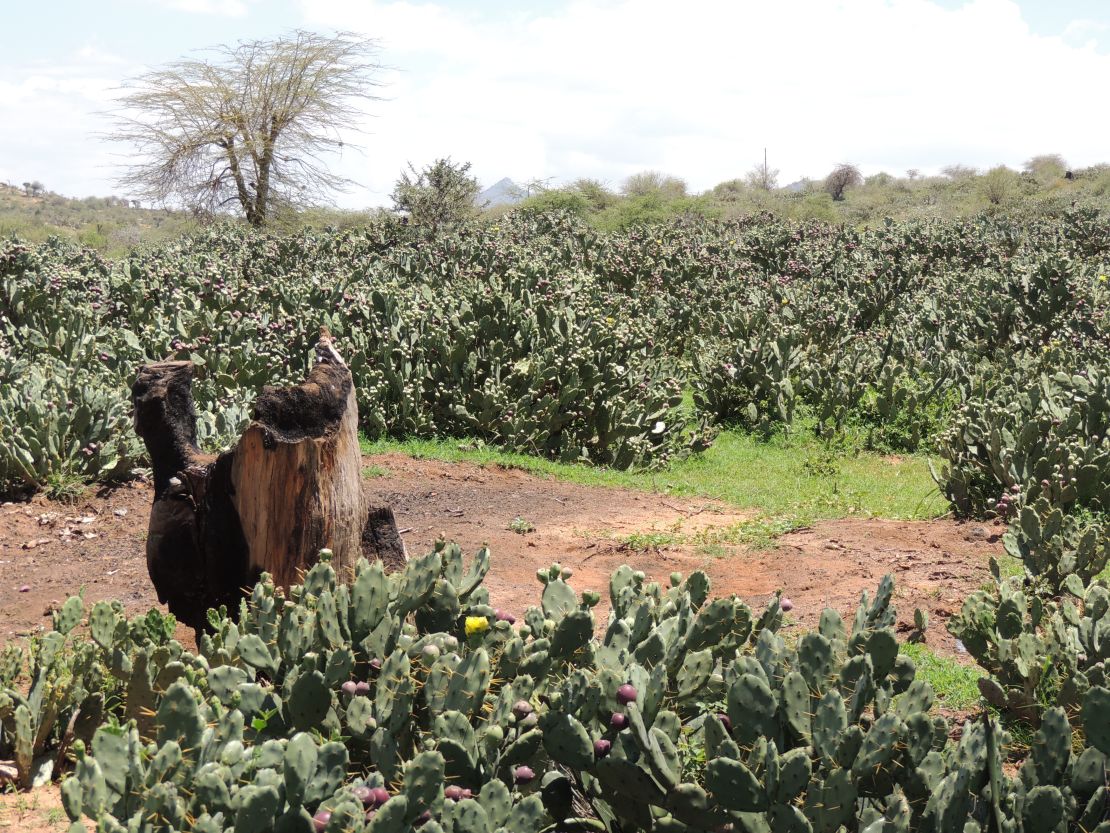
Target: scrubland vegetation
572, 329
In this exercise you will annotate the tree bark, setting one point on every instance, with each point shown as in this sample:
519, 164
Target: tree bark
290, 487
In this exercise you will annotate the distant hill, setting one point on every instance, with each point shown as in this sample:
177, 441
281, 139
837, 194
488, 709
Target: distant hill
502, 192
112, 224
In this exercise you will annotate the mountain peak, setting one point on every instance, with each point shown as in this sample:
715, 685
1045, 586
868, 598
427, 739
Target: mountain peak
502, 192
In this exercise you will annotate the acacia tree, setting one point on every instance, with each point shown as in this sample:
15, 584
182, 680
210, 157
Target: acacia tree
652, 183
958, 172
762, 177
842, 178
248, 128
1046, 168
999, 184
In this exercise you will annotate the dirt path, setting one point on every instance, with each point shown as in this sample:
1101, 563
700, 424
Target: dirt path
49, 551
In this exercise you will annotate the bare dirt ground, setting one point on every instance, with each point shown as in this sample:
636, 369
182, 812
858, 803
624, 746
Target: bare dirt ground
38, 811
49, 551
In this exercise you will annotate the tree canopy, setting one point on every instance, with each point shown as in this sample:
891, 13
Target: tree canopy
843, 177
248, 128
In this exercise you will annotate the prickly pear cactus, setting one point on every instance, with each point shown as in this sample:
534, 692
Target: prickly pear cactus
338, 707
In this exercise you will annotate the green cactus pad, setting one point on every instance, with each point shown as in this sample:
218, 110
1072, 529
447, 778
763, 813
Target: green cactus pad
567, 742
308, 701
734, 786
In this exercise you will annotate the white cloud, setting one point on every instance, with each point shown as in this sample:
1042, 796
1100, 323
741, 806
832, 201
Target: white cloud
223, 8
89, 53
52, 115
1086, 32
604, 88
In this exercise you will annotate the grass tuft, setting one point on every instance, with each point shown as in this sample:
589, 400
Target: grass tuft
64, 487
757, 534
955, 685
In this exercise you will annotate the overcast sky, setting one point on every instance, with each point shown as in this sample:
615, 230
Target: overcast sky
605, 88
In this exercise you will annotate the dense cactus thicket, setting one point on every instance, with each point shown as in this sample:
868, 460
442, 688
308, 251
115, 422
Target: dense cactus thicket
403, 701
386, 703
542, 335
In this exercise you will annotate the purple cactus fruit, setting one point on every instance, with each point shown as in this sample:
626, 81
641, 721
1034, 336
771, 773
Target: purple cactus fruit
521, 709
349, 688
504, 616
362, 688
467, 793
423, 819
364, 794
786, 604
321, 819
601, 748
726, 721
373, 811
453, 793
523, 774
619, 721
626, 694
376, 664
381, 796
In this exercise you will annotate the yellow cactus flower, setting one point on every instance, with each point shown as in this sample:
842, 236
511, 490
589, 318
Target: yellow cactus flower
476, 624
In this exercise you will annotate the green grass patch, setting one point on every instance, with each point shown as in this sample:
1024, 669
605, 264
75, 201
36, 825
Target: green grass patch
1008, 567
954, 684
650, 541
756, 534
65, 487
763, 533
793, 479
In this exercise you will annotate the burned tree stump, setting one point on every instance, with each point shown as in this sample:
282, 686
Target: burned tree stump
290, 487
